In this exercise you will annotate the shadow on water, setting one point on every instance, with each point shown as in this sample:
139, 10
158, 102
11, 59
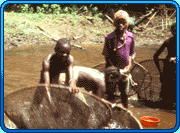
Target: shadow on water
153, 105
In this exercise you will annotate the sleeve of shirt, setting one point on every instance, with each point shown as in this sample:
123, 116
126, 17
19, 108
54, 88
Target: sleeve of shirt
106, 48
132, 48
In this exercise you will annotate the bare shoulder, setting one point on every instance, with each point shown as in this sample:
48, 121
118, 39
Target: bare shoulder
46, 62
71, 59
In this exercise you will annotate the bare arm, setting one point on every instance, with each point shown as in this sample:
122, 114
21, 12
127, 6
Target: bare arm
70, 75
127, 69
46, 66
47, 85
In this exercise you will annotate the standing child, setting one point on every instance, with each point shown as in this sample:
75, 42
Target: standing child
168, 73
118, 51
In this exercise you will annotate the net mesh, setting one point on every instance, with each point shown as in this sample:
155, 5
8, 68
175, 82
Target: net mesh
148, 79
70, 111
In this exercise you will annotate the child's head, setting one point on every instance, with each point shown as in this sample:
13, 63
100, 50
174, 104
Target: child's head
63, 48
121, 17
113, 74
173, 29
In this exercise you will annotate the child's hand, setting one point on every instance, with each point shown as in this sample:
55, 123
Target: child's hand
74, 89
124, 71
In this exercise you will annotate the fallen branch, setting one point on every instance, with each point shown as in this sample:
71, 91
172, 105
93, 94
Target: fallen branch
150, 19
13, 44
44, 34
144, 17
108, 18
156, 27
75, 38
90, 19
77, 46
172, 14
53, 37
166, 19
80, 9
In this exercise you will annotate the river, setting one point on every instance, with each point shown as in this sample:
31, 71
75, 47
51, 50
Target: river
22, 68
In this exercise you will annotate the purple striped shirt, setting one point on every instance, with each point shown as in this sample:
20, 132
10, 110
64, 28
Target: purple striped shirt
120, 57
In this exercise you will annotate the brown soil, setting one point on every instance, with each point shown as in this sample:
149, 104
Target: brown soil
89, 30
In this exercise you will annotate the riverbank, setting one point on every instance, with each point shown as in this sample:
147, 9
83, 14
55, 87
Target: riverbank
22, 30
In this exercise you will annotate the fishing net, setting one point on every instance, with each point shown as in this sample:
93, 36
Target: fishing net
29, 109
150, 85
139, 75
147, 77
155, 88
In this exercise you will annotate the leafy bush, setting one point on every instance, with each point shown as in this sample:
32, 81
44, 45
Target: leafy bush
24, 8
40, 10
100, 15
85, 8
56, 9
94, 9
66, 9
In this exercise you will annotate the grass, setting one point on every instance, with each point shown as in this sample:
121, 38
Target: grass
74, 22
99, 33
40, 17
16, 26
23, 25
19, 24
158, 33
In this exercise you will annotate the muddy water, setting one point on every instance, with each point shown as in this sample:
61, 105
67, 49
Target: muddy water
22, 69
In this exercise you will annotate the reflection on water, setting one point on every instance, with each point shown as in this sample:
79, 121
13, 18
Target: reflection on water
22, 68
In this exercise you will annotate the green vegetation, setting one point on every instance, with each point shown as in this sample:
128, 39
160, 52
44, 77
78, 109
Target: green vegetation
73, 20
57, 9
99, 33
22, 26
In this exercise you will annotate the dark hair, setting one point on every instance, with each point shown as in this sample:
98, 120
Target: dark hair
62, 41
113, 71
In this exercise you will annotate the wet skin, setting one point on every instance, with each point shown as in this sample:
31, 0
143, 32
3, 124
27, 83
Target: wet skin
54, 64
93, 80
90, 79
40, 117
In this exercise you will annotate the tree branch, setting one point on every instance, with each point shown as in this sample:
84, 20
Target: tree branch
55, 38
144, 17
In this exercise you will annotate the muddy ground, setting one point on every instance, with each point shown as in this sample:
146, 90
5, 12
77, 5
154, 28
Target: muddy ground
87, 31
